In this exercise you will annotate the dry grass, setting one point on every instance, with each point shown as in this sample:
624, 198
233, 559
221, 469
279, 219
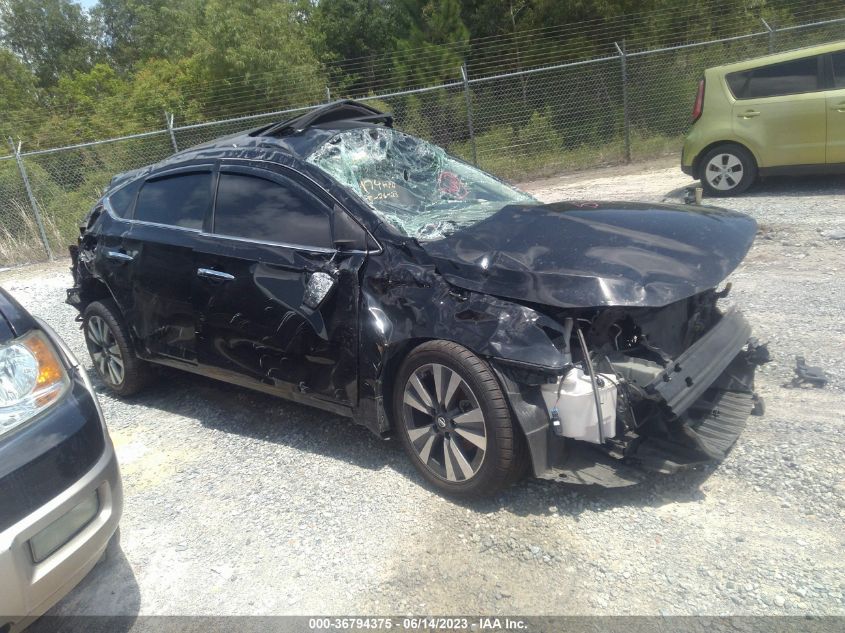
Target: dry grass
20, 239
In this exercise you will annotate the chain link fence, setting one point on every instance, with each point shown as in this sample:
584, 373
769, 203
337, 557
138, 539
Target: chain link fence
531, 123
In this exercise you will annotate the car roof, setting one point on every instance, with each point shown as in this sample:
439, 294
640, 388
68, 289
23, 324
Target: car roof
301, 135
780, 57
294, 138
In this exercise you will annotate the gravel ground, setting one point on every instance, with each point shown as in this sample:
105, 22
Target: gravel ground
237, 503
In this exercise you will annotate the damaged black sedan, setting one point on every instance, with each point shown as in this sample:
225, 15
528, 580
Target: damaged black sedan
337, 262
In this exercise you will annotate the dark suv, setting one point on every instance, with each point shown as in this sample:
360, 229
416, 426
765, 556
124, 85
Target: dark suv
61, 496
335, 261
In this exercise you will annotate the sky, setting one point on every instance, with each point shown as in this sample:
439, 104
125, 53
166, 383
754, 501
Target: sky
87, 4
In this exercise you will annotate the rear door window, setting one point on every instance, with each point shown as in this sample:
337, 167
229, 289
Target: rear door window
738, 83
179, 200
279, 210
787, 78
121, 200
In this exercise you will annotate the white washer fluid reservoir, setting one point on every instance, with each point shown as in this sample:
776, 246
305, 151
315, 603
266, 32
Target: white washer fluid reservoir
576, 406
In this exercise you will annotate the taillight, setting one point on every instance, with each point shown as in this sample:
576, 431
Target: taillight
698, 108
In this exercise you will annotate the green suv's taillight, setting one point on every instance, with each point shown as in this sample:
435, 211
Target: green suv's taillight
698, 106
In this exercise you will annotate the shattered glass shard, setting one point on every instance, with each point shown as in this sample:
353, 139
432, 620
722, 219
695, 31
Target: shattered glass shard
412, 184
319, 285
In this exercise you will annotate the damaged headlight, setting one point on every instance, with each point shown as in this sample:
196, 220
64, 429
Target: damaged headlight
32, 377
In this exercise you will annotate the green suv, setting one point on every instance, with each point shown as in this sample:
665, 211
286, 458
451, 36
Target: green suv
774, 115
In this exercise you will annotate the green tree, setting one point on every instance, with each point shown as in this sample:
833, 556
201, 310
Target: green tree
18, 97
350, 29
254, 55
50, 36
436, 44
160, 85
488, 17
94, 103
360, 31
133, 31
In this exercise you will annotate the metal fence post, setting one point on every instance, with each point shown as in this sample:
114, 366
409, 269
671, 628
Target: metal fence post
168, 118
626, 118
328, 95
771, 32
468, 97
17, 151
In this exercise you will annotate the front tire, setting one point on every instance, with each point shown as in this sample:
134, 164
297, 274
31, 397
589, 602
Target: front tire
110, 348
454, 422
727, 170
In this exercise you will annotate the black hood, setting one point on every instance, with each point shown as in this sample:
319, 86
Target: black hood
585, 254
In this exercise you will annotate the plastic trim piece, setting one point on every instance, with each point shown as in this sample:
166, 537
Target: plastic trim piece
693, 372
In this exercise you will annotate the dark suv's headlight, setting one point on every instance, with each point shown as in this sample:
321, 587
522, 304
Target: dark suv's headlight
32, 377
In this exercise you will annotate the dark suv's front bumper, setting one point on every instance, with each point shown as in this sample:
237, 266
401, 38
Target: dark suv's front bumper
59, 462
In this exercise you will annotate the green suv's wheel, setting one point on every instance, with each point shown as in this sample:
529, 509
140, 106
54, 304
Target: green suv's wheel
111, 351
454, 422
727, 170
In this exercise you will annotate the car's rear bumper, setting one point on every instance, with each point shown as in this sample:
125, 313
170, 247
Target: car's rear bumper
688, 155
687, 169
695, 143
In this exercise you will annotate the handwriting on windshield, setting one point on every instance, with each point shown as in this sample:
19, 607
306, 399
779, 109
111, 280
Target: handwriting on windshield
375, 189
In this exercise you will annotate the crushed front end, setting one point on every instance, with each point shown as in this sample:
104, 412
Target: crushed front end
661, 389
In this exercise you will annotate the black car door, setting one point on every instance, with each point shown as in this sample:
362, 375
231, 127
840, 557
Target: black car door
169, 214
275, 300
110, 241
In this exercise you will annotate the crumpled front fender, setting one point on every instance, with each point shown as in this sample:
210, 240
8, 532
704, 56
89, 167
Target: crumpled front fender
404, 304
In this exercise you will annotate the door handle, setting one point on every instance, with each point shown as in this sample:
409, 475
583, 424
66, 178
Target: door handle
216, 275
119, 256
839, 108
748, 114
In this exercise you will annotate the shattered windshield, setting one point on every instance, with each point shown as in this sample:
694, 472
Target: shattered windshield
414, 185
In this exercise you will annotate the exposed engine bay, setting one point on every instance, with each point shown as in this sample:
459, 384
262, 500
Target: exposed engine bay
664, 387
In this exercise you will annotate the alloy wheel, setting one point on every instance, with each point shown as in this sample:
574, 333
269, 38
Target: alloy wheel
444, 422
105, 351
724, 172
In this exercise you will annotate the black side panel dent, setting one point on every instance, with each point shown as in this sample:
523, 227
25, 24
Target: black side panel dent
405, 303
95, 276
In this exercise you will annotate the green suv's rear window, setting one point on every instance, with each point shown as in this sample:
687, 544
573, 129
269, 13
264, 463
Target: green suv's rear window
775, 80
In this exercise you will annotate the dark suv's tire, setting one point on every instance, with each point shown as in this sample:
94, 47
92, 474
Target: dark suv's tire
727, 170
110, 347
454, 422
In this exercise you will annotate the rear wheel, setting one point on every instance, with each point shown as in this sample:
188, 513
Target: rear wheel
109, 345
727, 170
454, 422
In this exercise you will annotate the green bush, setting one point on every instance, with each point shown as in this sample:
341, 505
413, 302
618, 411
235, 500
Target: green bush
539, 134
